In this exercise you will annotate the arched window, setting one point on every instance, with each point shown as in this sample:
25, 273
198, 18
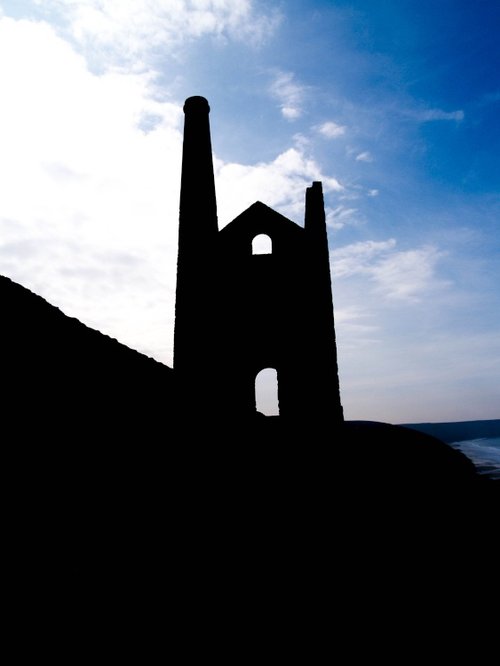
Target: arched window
266, 392
262, 244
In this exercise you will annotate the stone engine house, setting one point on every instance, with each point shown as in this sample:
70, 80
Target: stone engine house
239, 310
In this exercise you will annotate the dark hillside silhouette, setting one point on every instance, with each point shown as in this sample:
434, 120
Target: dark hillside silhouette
121, 507
60, 376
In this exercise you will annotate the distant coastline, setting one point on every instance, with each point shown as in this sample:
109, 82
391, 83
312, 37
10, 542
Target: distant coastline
484, 453
459, 431
478, 440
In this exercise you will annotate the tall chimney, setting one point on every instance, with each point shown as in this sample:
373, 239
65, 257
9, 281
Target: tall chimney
324, 355
198, 206
197, 231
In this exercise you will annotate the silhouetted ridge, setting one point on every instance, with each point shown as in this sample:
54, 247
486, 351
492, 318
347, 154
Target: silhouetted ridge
53, 366
21, 305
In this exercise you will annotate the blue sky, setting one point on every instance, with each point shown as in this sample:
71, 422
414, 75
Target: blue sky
392, 104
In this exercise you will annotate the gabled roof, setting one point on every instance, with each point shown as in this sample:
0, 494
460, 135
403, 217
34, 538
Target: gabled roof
260, 219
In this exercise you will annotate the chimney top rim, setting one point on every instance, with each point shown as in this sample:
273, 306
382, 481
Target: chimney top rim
196, 104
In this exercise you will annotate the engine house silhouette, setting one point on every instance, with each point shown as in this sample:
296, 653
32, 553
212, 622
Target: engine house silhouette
238, 310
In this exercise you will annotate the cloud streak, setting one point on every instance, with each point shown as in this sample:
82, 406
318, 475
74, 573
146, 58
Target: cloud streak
364, 157
338, 217
429, 115
399, 275
289, 93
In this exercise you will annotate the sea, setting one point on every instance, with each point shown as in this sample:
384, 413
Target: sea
484, 453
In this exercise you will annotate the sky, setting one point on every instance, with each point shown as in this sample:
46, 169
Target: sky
392, 104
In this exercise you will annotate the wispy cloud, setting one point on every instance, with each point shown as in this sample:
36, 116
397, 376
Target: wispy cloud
338, 217
289, 93
438, 114
428, 115
364, 157
401, 275
489, 98
405, 275
355, 258
134, 31
331, 130
357, 326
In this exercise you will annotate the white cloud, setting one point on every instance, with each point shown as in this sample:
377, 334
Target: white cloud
280, 184
406, 274
338, 217
301, 142
331, 130
402, 275
289, 93
353, 322
354, 258
291, 112
373, 193
364, 157
132, 30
